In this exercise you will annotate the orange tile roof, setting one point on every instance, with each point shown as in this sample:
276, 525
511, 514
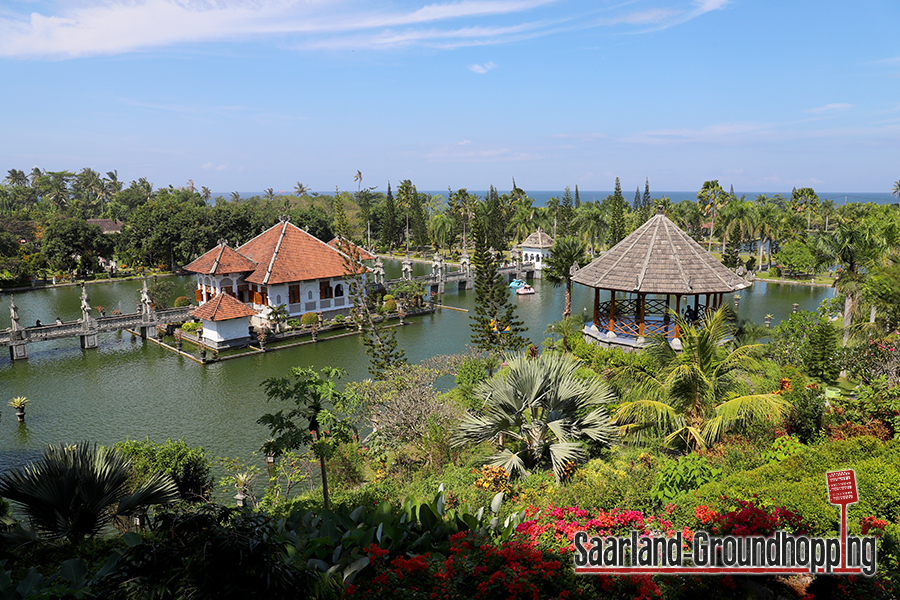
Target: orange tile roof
222, 308
221, 260
363, 255
286, 253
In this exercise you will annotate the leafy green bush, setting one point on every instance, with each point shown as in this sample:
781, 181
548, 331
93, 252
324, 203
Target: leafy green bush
390, 305
188, 465
191, 327
807, 412
676, 477
182, 301
293, 323
309, 318
339, 318
782, 448
798, 483
346, 466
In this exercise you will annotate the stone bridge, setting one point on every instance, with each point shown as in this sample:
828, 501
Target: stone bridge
17, 338
464, 277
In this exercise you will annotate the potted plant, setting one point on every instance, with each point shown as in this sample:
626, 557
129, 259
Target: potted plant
19, 403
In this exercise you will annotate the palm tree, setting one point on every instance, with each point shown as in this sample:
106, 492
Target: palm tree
206, 193
441, 226
566, 253
855, 244
71, 492
896, 190
766, 227
235, 196
690, 396
17, 177
270, 194
301, 189
712, 196
539, 409
590, 222
278, 315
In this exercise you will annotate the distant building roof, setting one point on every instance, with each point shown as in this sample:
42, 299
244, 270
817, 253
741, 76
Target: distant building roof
221, 260
538, 239
363, 255
107, 225
223, 308
659, 258
283, 253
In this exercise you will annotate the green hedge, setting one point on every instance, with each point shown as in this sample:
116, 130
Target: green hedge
798, 483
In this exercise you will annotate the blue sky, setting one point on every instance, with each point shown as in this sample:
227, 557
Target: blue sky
251, 94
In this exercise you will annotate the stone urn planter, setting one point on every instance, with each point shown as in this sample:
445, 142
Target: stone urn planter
19, 403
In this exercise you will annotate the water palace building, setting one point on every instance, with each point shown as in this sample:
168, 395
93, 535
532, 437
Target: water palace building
282, 265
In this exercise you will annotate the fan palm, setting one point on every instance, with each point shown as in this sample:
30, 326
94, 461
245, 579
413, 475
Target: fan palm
690, 396
71, 492
539, 409
566, 253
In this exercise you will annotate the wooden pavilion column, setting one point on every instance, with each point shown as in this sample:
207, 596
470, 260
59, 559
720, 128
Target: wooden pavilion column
640, 311
666, 318
612, 312
596, 307
678, 312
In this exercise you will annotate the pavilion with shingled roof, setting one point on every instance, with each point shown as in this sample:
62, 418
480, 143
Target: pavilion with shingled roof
656, 269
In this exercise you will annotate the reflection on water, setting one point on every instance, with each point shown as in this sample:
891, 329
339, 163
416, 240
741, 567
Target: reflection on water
130, 389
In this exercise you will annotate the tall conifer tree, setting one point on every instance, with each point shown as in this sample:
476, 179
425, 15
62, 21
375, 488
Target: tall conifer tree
389, 221
495, 327
379, 341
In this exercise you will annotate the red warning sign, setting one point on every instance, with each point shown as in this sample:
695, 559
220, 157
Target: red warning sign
842, 487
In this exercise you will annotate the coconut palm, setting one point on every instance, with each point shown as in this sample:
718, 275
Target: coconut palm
711, 197
71, 492
566, 253
689, 396
278, 315
235, 196
590, 222
206, 193
301, 189
539, 409
854, 244
896, 190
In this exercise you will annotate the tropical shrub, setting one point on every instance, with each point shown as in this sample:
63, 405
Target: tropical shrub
71, 492
807, 411
191, 327
182, 301
690, 398
189, 466
873, 359
539, 410
308, 319
390, 305
676, 477
293, 323
782, 448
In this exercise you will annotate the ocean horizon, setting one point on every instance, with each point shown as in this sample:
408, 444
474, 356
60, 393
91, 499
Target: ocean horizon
541, 197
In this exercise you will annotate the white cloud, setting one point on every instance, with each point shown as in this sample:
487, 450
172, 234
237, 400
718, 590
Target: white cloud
76, 28
828, 108
482, 69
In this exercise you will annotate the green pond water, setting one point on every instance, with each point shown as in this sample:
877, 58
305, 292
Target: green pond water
132, 389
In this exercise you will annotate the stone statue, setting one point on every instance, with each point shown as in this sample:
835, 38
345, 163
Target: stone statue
145, 296
85, 302
13, 313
